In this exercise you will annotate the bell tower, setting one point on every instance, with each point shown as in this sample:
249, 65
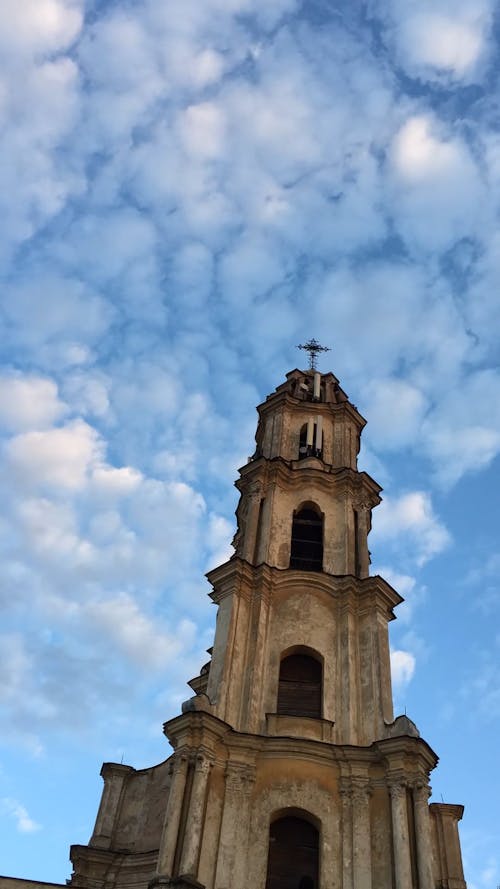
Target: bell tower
289, 770
300, 575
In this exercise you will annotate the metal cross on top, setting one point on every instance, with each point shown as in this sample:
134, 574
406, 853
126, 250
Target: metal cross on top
314, 348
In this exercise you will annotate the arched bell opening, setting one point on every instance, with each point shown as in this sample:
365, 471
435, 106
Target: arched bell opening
293, 857
300, 685
311, 439
306, 550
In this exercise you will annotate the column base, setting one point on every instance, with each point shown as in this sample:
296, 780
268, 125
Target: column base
184, 881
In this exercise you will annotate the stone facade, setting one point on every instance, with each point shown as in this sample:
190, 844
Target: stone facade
242, 761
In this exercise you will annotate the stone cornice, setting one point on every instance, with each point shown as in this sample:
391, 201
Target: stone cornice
194, 730
447, 810
239, 577
109, 769
105, 857
404, 758
398, 751
301, 473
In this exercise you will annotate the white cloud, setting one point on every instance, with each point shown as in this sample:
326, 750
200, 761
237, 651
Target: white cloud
14, 666
465, 441
14, 809
40, 25
70, 312
441, 40
418, 154
220, 534
402, 668
121, 622
481, 690
87, 391
396, 409
202, 129
51, 530
409, 521
118, 482
60, 457
29, 402
435, 176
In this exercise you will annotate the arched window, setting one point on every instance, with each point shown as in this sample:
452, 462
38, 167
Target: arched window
293, 860
306, 552
300, 686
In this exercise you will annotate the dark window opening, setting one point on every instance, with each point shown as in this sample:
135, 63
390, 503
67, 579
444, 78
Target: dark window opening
315, 446
307, 541
300, 686
293, 860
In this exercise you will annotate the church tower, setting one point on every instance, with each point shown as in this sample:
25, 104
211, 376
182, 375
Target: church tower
289, 770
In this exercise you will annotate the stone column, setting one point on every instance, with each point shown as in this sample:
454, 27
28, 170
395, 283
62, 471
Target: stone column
194, 821
402, 860
421, 794
346, 802
234, 827
361, 839
172, 818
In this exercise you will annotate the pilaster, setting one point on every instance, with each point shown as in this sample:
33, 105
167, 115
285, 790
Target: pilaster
401, 839
235, 824
171, 822
362, 865
195, 814
421, 793
449, 869
114, 776
347, 834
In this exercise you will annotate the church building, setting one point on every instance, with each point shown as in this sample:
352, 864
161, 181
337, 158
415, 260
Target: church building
289, 770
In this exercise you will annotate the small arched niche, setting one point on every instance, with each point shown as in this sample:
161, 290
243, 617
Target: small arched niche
306, 550
293, 857
300, 684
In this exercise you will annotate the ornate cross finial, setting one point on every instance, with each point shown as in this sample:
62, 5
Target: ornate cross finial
313, 347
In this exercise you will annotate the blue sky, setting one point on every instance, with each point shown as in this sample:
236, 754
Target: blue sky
188, 190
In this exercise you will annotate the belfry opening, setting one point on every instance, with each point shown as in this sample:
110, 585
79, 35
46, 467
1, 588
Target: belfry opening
306, 552
300, 686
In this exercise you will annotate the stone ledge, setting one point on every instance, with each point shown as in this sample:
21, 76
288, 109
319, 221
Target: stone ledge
299, 727
184, 881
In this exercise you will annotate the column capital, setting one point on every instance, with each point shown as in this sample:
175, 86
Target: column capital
421, 790
202, 762
397, 787
361, 790
178, 761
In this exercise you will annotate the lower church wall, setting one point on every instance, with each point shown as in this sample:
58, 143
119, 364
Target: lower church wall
215, 800
132, 807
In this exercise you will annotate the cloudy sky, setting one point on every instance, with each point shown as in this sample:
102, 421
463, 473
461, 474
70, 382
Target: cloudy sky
187, 190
